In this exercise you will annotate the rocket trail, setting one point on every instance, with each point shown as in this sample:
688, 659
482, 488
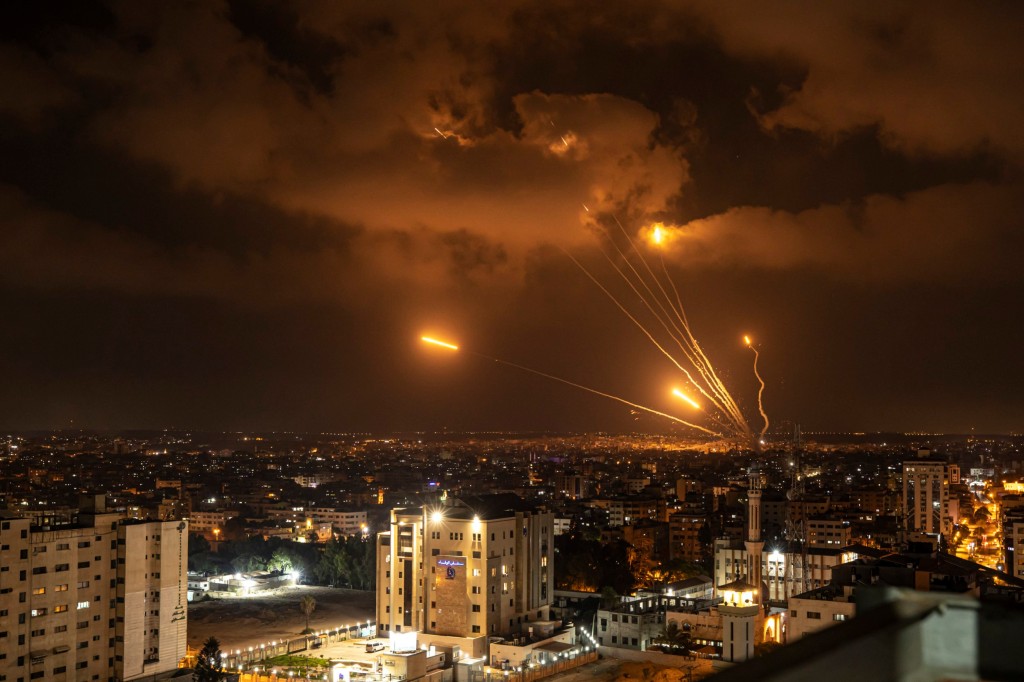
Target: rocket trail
760, 391
695, 355
596, 392
625, 311
690, 357
716, 393
454, 347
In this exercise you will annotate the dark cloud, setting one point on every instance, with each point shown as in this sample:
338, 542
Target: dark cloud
318, 182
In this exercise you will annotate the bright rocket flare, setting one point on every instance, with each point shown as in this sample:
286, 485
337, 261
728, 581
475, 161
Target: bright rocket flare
747, 340
682, 396
658, 235
449, 346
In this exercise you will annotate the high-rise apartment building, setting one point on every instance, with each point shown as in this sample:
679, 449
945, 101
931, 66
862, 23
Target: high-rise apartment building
684, 537
466, 567
926, 502
91, 597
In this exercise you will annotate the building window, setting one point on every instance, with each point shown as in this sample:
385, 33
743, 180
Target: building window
814, 615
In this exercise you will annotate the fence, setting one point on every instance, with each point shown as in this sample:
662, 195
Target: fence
535, 673
237, 659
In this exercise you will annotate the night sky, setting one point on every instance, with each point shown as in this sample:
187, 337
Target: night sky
243, 215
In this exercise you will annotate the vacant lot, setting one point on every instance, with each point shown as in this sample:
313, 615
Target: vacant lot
241, 622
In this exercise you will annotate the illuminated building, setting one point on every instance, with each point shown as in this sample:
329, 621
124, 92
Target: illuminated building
208, 521
626, 510
740, 619
1013, 534
827, 531
92, 597
684, 541
739, 610
786, 569
470, 567
926, 500
742, 599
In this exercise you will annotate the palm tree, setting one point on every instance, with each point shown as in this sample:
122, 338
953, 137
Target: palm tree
208, 662
673, 639
307, 605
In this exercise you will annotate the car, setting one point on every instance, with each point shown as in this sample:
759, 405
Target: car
372, 647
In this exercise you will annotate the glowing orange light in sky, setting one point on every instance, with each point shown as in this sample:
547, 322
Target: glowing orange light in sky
443, 344
747, 340
658, 234
682, 396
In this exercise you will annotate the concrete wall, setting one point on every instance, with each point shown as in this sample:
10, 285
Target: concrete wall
518, 655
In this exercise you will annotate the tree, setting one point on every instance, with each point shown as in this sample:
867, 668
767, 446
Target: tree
673, 639
609, 597
584, 564
281, 561
208, 662
197, 544
349, 562
247, 563
307, 605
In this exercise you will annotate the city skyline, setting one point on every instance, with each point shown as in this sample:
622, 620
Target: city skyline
243, 216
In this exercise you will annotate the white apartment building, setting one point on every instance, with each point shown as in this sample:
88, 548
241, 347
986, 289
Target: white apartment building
819, 609
926, 501
469, 567
786, 570
1015, 557
347, 522
92, 597
208, 521
626, 510
632, 624
316, 480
